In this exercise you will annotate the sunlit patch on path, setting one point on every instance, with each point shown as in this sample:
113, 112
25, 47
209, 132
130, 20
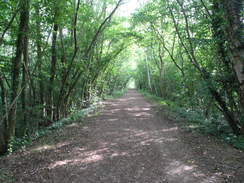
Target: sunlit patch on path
129, 142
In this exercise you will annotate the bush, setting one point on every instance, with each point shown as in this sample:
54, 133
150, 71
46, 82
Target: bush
17, 143
195, 120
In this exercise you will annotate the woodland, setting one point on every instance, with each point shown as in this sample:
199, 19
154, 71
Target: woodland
60, 56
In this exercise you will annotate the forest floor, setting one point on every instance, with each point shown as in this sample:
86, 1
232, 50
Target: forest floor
130, 141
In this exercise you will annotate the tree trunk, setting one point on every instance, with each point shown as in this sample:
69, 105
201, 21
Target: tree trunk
148, 74
39, 59
234, 32
230, 117
228, 27
3, 145
24, 101
16, 65
52, 73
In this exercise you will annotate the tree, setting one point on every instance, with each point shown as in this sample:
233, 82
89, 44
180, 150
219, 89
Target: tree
59, 63
204, 43
21, 44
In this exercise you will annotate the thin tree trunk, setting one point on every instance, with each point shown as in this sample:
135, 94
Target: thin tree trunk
148, 74
8, 26
229, 115
52, 73
87, 54
39, 59
3, 145
24, 85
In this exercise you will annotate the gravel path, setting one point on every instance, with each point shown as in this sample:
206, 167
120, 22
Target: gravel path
129, 142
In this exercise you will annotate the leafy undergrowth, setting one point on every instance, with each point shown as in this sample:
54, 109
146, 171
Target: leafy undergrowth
76, 117
195, 121
116, 94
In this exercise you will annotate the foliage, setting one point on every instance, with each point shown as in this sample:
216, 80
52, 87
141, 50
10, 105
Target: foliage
195, 121
69, 58
76, 117
116, 94
187, 59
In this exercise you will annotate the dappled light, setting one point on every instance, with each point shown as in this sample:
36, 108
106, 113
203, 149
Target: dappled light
49, 146
127, 142
72, 125
177, 168
44, 147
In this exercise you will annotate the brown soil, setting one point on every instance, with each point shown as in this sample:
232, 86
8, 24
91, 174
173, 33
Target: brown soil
129, 142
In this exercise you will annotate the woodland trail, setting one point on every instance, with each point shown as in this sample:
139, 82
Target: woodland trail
129, 142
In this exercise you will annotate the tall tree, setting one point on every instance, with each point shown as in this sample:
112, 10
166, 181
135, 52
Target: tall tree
21, 44
50, 109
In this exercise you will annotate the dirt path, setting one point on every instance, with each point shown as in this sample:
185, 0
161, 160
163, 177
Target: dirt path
129, 142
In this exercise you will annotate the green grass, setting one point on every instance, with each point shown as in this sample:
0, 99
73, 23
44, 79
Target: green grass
195, 121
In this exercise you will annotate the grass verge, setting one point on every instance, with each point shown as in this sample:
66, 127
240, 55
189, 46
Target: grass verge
195, 121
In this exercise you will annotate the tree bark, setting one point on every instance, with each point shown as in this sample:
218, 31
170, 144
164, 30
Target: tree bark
16, 65
39, 58
24, 101
228, 27
3, 145
234, 32
52, 73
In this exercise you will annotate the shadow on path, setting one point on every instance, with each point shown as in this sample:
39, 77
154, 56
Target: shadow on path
128, 143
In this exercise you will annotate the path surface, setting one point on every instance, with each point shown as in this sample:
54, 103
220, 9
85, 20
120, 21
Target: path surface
129, 142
